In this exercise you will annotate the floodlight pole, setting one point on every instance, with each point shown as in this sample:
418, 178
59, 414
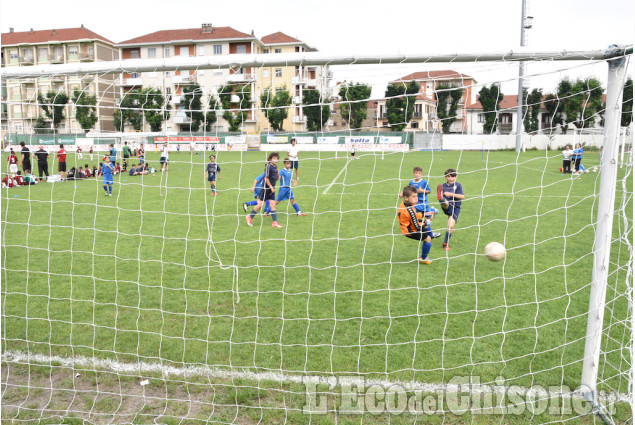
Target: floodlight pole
521, 73
604, 226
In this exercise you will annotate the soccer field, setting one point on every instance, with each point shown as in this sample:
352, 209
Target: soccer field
154, 273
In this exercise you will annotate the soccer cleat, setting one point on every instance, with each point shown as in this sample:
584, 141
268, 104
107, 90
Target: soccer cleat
275, 224
446, 247
106, 193
301, 214
440, 192
424, 261
245, 206
249, 221
561, 169
435, 235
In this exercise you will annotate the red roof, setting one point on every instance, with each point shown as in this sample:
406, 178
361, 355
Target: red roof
50, 36
510, 101
188, 34
435, 75
278, 38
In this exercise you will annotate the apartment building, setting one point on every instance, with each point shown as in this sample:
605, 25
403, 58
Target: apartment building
50, 47
425, 116
209, 40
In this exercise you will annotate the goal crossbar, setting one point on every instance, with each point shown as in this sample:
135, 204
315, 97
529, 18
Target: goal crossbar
303, 59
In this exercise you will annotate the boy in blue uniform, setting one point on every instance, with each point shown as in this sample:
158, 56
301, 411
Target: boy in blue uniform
268, 193
255, 189
107, 171
423, 188
286, 193
450, 194
577, 157
210, 171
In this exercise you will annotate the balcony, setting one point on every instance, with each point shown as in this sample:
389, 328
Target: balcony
298, 81
298, 120
176, 99
311, 82
505, 128
56, 60
27, 60
297, 100
240, 78
136, 81
184, 79
57, 78
182, 119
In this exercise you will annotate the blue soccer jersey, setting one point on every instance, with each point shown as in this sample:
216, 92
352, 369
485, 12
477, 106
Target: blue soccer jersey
106, 171
421, 184
260, 183
212, 169
457, 189
285, 178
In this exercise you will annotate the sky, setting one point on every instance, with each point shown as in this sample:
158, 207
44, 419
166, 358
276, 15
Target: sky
370, 27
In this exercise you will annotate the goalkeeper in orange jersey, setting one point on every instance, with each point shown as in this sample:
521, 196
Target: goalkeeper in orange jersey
414, 221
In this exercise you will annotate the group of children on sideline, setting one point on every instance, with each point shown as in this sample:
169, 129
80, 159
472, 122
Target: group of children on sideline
415, 213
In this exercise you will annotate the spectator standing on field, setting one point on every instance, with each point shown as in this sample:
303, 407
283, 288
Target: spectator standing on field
61, 165
42, 162
164, 159
26, 159
293, 157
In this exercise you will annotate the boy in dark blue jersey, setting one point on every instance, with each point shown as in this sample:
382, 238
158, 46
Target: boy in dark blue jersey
450, 194
212, 169
268, 193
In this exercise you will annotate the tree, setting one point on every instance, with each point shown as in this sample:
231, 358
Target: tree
627, 103
85, 110
354, 106
554, 110
53, 105
531, 110
490, 98
316, 115
41, 126
447, 112
236, 115
400, 104
191, 102
578, 102
210, 115
155, 108
129, 111
275, 106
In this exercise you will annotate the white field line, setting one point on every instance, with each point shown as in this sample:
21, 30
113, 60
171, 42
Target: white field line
335, 179
223, 373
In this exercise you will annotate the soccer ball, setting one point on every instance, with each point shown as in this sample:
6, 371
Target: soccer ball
586, 171
495, 251
595, 170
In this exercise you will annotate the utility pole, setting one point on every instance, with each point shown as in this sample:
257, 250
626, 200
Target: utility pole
525, 24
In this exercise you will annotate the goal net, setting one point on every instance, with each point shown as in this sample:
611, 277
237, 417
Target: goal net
170, 296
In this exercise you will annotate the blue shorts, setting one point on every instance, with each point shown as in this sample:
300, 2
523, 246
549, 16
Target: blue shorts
142, 159
294, 164
107, 181
211, 177
284, 194
453, 212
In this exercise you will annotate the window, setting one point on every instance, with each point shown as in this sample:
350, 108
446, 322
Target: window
135, 75
278, 72
265, 50
13, 54
184, 51
241, 48
73, 50
134, 54
200, 50
278, 50
418, 110
218, 49
152, 52
42, 53
57, 53
166, 52
414, 125
168, 90
481, 118
28, 53
265, 73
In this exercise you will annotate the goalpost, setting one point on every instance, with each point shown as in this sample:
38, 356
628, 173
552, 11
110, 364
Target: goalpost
160, 303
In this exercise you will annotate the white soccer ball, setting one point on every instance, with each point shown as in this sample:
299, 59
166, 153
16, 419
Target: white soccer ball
595, 170
586, 171
495, 251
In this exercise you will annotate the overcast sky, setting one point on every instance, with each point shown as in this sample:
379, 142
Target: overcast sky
367, 27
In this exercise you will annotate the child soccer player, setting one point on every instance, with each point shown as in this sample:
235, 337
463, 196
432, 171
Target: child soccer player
259, 183
286, 193
13, 163
413, 222
210, 173
268, 191
450, 195
107, 171
423, 188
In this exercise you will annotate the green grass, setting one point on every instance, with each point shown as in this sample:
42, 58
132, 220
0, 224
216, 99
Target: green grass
150, 274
